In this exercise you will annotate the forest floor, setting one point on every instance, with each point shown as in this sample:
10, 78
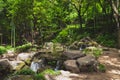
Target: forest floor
111, 60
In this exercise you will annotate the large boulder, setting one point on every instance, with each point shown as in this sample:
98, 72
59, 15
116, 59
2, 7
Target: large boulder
71, 66
17, 65
5, 67
73, 54
26, 57
87, 63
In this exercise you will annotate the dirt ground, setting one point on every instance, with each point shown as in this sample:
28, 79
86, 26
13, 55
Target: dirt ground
111, 60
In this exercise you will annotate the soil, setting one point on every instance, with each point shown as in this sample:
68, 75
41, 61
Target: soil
111, 60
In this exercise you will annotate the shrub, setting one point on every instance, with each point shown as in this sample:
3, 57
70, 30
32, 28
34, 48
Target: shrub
23, 48
8, 47
2, 50
39, 77
25, 72
70, 34
106, 40
51, 72
93, 50
67, 35
82, 35
101, 68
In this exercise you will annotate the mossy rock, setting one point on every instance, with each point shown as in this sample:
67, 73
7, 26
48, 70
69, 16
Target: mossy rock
17, 65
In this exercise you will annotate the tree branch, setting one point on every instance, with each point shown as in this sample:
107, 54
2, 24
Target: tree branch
115, 7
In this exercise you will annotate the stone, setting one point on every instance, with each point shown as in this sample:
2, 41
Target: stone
58, 47
10, 53
66, 75
75, 45
51, 47
71, 66
48, 46
26, 57
22, 77
73, 54
87, 63
83, 43
17, 65
5, 67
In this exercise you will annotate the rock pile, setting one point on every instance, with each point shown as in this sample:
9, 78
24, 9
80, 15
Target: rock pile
83, 43
78, 62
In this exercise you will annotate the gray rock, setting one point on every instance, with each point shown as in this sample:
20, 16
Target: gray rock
5, 67
87, 63
10, 53
73, 54
66, 75
51, 47
71, 66
17, 65
26, 57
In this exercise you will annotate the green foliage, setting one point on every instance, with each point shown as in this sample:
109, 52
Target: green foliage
25, 72
2, 4
51, 72
8, 47
56, 19
82, 35
70, 34
63, 36
23, 48
52, 63
39, 76
67, 35
106, 40
2, 50
93, 50
101, 68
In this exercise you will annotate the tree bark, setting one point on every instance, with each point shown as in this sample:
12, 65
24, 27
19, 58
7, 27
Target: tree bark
115, 6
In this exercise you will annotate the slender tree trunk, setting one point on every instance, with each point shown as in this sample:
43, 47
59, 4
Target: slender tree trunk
118, 38
78, 9
80, 19
115, 6
118, 29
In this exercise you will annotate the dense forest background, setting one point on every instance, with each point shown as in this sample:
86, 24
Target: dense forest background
64, 21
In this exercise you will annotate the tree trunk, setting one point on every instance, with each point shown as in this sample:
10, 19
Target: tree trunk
118, 29
115, 6
118, 37
80, 19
